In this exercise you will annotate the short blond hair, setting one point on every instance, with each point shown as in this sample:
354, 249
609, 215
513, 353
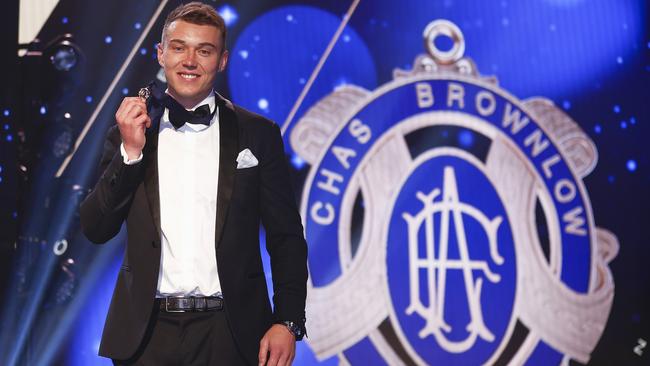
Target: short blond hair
196, 13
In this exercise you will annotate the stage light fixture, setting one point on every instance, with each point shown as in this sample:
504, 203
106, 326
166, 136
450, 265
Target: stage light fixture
51, 69
65, 57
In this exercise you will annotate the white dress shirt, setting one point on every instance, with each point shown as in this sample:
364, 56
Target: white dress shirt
188, 172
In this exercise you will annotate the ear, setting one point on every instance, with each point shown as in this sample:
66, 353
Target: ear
224, 61
159, 51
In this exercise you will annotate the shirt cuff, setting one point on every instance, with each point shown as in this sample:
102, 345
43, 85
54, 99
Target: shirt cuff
125, 156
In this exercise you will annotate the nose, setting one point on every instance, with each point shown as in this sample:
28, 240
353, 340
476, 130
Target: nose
189, 60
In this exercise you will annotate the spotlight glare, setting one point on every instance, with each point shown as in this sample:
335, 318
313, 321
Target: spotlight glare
466, 138
262, 104
297, 162
228, 14
631, 165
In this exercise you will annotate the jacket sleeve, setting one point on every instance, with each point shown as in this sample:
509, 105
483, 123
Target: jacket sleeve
107, 205
285, 240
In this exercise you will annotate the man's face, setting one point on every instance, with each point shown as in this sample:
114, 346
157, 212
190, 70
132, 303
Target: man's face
191, 56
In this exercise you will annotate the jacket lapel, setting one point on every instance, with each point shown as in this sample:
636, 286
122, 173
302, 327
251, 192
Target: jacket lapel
151, 166
228, 146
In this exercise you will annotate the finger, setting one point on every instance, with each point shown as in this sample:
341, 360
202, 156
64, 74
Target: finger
141, 119
130, 101
148, 124
141, 122
122, 113
291, 353
120, 110
141, 103
284, 359
264, 349
274, 355
140, 100
273, 360
135, 110
123, 103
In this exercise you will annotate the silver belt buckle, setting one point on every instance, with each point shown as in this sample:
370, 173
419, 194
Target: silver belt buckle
167, 307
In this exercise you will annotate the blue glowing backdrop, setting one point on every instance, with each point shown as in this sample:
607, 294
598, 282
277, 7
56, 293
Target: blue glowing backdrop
486, 187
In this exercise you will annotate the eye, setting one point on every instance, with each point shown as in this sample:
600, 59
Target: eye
204, 52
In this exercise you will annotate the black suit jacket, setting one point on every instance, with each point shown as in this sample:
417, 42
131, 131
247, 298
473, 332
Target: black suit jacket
244, 198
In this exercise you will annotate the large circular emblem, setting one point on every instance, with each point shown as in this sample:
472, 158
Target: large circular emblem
447, 222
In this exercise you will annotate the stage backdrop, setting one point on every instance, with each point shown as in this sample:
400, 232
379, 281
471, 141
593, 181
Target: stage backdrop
472, 175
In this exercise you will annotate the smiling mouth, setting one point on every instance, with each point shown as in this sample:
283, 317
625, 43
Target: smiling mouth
188, 76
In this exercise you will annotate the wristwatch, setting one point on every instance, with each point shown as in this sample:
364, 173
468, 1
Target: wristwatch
295, 329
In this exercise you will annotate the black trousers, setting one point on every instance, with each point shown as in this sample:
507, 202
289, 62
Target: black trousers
187, 339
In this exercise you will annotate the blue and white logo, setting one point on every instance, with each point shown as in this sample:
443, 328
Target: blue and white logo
447, 222
454, 249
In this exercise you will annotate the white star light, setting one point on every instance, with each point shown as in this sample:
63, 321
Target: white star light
228, 14
263, 104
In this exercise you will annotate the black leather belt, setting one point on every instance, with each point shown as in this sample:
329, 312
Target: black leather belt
190, 304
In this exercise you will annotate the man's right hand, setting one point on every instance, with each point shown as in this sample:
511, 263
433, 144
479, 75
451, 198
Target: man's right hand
133, 120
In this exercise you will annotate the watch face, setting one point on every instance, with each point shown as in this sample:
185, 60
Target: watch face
294, 329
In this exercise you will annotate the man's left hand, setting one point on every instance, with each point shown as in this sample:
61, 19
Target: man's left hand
277, 347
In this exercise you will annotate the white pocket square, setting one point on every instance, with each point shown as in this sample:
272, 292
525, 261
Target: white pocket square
246, 159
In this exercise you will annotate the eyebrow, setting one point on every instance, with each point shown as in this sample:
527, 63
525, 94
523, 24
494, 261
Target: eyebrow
202, 44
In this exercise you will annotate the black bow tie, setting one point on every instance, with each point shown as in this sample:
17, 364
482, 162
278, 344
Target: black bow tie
178, 115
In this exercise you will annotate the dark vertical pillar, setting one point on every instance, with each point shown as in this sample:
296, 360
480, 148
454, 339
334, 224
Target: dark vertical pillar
9, 117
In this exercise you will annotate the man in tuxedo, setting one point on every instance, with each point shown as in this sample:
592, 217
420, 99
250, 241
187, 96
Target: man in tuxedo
193, 175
